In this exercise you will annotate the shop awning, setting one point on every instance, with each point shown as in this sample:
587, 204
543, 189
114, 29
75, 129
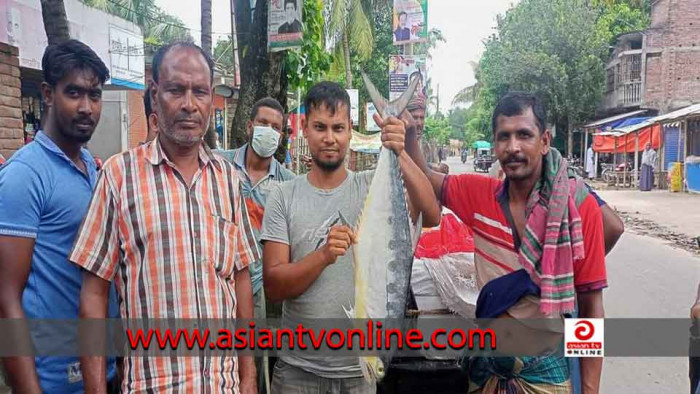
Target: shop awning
605, 142
601, 122
676, 115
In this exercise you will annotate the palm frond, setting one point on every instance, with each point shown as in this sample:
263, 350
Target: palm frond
337, 69
466, 95
361, 37
338, 18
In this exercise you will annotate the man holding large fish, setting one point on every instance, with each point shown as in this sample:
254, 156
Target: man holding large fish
309, 229
539, 240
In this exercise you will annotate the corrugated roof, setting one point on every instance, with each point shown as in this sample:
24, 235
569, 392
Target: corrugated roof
671, 116
666, 118
614, 118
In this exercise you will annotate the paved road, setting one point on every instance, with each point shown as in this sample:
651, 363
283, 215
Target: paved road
650, 279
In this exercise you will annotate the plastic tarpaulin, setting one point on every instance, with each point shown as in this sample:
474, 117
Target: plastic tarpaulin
444, 275
364, 143
628, 122
627, 143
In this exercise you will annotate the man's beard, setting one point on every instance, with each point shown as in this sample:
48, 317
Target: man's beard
76, 136
328, 166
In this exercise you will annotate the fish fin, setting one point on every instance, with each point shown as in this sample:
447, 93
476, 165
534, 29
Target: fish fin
350, 312
380, 103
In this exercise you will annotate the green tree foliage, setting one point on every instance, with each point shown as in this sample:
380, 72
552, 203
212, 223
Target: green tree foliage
351, 31
308, 65
223, 55
159, 27
437, 130
556, 48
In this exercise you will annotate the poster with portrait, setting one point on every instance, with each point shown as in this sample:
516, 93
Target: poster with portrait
410, 21
402, 69
284, 24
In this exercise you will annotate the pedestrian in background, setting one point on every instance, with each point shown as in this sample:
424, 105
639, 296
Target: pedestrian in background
649, 162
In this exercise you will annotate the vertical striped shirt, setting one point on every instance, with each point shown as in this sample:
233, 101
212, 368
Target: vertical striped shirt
173, 250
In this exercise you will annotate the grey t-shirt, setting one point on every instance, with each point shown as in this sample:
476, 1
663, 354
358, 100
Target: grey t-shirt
300, 215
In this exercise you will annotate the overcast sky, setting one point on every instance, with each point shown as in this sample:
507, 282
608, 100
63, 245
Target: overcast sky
464, 23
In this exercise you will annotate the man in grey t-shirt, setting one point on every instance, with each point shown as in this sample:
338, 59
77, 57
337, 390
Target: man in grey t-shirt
307, 234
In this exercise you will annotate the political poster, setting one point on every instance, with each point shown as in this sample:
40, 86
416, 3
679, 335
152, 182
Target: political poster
410, 21
370, 124
402, 69
284, 24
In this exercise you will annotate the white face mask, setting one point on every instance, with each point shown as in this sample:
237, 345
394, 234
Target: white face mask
265, 141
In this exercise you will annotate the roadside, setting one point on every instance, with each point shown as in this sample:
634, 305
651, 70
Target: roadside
673, 217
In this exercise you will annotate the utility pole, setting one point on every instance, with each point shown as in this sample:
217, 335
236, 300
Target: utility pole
438, 102
234, 45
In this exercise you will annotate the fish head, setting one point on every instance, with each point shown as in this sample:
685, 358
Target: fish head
372, 369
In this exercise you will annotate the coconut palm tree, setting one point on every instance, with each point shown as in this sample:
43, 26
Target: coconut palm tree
53, 13
470, 93
350, 28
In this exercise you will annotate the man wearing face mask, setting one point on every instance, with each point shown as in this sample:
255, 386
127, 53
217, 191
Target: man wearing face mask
258, 172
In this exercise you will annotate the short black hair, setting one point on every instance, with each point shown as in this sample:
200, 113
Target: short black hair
59, 60
162, 51
266, 102
292, 2
402, 13
330, 94
516, 103
147, 104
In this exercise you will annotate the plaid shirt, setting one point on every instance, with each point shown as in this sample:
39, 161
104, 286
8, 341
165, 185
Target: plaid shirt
173, 252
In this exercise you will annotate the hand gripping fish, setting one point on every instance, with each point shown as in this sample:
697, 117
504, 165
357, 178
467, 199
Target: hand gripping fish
383, 254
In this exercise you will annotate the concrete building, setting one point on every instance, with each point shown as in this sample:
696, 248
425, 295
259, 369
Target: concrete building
657, 68
117, 42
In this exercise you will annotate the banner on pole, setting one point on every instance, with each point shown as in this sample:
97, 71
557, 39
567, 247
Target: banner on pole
284, 24
370, 124
402, 69
410, 21
354, 106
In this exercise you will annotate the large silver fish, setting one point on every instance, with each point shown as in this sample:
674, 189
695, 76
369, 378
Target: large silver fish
383, 254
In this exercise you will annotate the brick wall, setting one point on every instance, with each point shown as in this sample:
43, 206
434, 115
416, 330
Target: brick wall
673, 78
11, 133
138, 124
137, 119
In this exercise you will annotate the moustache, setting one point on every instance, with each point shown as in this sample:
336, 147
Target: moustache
187, 118
84, 120
514, 159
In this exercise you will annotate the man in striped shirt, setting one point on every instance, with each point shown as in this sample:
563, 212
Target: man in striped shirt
496, 212
167, 224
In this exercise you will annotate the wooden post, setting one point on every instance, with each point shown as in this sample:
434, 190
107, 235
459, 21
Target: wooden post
614, 169
595, 166
685, 152
636, 159
624, 169
680, 134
